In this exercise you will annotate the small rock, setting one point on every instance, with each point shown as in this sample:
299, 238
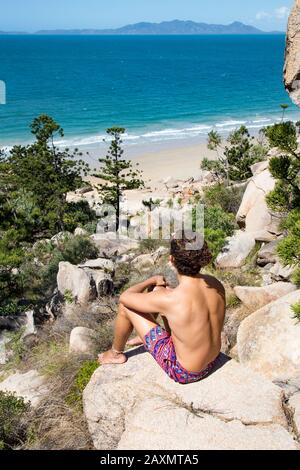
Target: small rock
100, 263
31, 386
30, 328
83, 341
80, 232
281, 273
61, 237
143, 263
267, 253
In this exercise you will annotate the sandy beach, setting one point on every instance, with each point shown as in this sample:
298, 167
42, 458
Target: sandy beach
160, 162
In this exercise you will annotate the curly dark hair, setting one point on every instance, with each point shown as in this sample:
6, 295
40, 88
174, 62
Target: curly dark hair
190, 253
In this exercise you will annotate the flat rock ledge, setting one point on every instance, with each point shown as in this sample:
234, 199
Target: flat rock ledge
137, 407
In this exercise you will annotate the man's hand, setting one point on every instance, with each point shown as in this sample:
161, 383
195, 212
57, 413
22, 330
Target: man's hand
158, 281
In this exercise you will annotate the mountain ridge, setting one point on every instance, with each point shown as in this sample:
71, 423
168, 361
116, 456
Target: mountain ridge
174, 27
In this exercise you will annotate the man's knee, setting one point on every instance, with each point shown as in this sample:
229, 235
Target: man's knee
123, 310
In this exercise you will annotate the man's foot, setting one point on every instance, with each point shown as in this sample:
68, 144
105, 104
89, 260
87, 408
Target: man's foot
135, 342
112, 357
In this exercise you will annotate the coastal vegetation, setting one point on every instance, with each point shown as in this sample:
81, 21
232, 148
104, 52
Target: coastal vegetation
236, 155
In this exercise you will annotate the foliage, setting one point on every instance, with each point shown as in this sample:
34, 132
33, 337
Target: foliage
82, 379
285, 168
296, 310
35, 180
12, 421
237, 156
228, 198
119, 174
289, 248
218, 225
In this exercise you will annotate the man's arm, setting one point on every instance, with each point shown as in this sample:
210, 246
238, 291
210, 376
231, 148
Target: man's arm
135, 297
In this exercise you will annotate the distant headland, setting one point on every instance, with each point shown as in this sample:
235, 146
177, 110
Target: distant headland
175, 27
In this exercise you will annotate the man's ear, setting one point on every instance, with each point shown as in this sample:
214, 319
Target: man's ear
171, 259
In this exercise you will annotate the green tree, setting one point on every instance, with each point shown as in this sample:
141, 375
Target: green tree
285, 198
237, 156
36, 178
285, 167
284, 107
119, 174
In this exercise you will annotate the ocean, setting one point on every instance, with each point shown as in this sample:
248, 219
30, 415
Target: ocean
160, 88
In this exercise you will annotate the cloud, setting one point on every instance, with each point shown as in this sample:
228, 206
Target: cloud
280, 13
262, 15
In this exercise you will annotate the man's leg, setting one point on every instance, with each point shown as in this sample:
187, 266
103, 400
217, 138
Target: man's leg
125, 322
137, 340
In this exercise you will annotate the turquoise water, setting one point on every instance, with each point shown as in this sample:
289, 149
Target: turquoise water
159, 88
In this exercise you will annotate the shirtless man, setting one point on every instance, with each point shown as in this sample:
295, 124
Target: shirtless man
194, 311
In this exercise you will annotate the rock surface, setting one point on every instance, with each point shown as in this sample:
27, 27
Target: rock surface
77, 281
236, 250
257, 297
100, 263
292, 55
254, 213
279, 272
31, 386
109, 246
269, 340
294, 402
136, 406
143, 263
83, 341
267, 253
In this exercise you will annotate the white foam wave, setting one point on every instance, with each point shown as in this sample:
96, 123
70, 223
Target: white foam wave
172, 133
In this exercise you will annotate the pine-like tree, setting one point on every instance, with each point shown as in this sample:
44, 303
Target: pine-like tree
119, 174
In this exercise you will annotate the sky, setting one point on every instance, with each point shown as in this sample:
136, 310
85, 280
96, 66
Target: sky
32, 15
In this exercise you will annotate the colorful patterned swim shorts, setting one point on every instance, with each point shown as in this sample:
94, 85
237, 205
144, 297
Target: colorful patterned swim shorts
160, 345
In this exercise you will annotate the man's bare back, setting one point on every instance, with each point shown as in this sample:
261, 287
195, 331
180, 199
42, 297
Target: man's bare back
195, 311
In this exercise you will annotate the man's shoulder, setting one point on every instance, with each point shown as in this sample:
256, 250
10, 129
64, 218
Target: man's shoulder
213, 282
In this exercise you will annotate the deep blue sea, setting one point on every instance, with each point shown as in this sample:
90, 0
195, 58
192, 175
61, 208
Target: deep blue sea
160, 88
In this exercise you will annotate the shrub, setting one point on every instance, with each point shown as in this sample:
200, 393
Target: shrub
13, 427
228, 198
82, 378
289, 248
217, 219
237, 156
296, 310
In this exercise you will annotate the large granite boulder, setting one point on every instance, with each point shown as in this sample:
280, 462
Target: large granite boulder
30, 386
136, 406
254, 214
257, 297
77, 281
269, 340
236, 250
292, 54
